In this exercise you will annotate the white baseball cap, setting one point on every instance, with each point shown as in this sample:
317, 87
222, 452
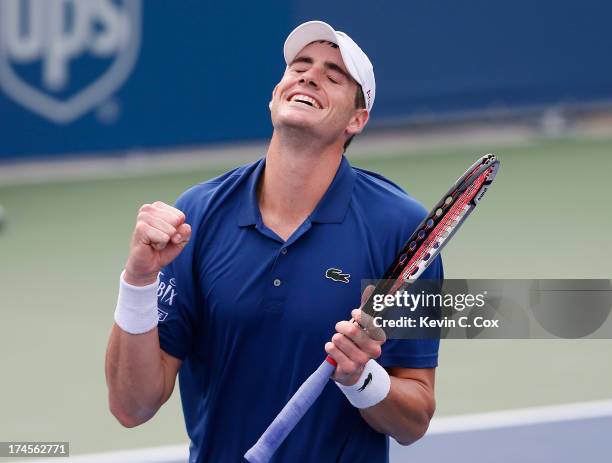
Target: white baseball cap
355, 60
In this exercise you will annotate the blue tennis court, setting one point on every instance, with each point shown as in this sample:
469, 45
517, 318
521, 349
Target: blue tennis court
560, 433
583, 439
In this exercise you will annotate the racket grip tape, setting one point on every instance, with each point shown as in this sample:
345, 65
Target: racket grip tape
291, 414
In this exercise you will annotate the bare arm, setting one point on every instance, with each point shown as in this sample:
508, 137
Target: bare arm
140, 376
406, 411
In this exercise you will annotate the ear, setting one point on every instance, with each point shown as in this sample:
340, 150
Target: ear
274, 90
357, 122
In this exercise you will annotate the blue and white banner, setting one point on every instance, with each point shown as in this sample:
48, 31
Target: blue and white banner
81, 76
61, 62
85, 76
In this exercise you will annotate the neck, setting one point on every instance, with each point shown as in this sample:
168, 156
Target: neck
297, 175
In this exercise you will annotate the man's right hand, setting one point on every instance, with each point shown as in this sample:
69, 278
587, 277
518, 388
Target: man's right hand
159, 236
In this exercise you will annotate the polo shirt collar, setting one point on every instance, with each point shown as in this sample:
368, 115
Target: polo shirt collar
248, 212
331, 209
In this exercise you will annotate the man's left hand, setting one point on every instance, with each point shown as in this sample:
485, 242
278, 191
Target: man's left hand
351, 347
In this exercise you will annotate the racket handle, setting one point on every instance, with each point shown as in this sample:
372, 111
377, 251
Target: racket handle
291, 414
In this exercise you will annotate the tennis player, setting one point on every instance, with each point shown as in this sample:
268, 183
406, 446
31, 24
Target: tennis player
240, 287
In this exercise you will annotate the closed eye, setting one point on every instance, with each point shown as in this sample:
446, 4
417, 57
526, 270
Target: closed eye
299, 70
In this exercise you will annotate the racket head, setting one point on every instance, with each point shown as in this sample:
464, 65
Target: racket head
436, 229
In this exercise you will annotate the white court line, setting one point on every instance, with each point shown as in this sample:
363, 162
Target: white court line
443, 425
520, 417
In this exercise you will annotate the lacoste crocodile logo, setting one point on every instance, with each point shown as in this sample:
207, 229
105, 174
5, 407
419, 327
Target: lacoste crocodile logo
337, 275
367, 381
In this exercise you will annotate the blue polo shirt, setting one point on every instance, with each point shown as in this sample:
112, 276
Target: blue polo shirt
249, 313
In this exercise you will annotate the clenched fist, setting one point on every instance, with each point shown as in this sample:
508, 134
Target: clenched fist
159, 236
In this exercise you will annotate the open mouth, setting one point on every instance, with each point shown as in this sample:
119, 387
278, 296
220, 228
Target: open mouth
305, 99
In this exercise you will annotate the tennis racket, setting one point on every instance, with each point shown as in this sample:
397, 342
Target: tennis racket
419, 251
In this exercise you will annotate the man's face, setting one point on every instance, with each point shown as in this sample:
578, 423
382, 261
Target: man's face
317, 94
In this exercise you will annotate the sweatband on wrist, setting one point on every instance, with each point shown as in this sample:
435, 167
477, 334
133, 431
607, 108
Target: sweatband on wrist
136, 310
372, 386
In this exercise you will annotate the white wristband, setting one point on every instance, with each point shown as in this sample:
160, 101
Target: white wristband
136, 310
372, 386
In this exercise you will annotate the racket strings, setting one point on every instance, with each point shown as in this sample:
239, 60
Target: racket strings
442, 230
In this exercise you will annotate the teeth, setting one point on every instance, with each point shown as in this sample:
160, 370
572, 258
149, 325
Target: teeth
307, 99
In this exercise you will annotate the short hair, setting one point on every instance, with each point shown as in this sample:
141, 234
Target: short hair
359, 104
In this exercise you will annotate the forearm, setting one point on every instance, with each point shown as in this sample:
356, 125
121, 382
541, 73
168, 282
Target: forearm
403, 397
139, 374
134, 375
405, 413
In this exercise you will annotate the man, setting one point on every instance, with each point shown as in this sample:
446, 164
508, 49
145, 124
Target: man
257, 268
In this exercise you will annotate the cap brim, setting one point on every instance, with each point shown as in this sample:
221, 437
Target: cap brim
305, 34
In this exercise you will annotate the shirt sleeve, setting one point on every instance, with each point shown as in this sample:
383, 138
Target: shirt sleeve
414, 353
175, 311
176, 298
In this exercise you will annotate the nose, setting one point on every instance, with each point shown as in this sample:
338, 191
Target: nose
310, 77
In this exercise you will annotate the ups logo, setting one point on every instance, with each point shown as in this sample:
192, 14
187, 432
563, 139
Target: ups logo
62, 58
